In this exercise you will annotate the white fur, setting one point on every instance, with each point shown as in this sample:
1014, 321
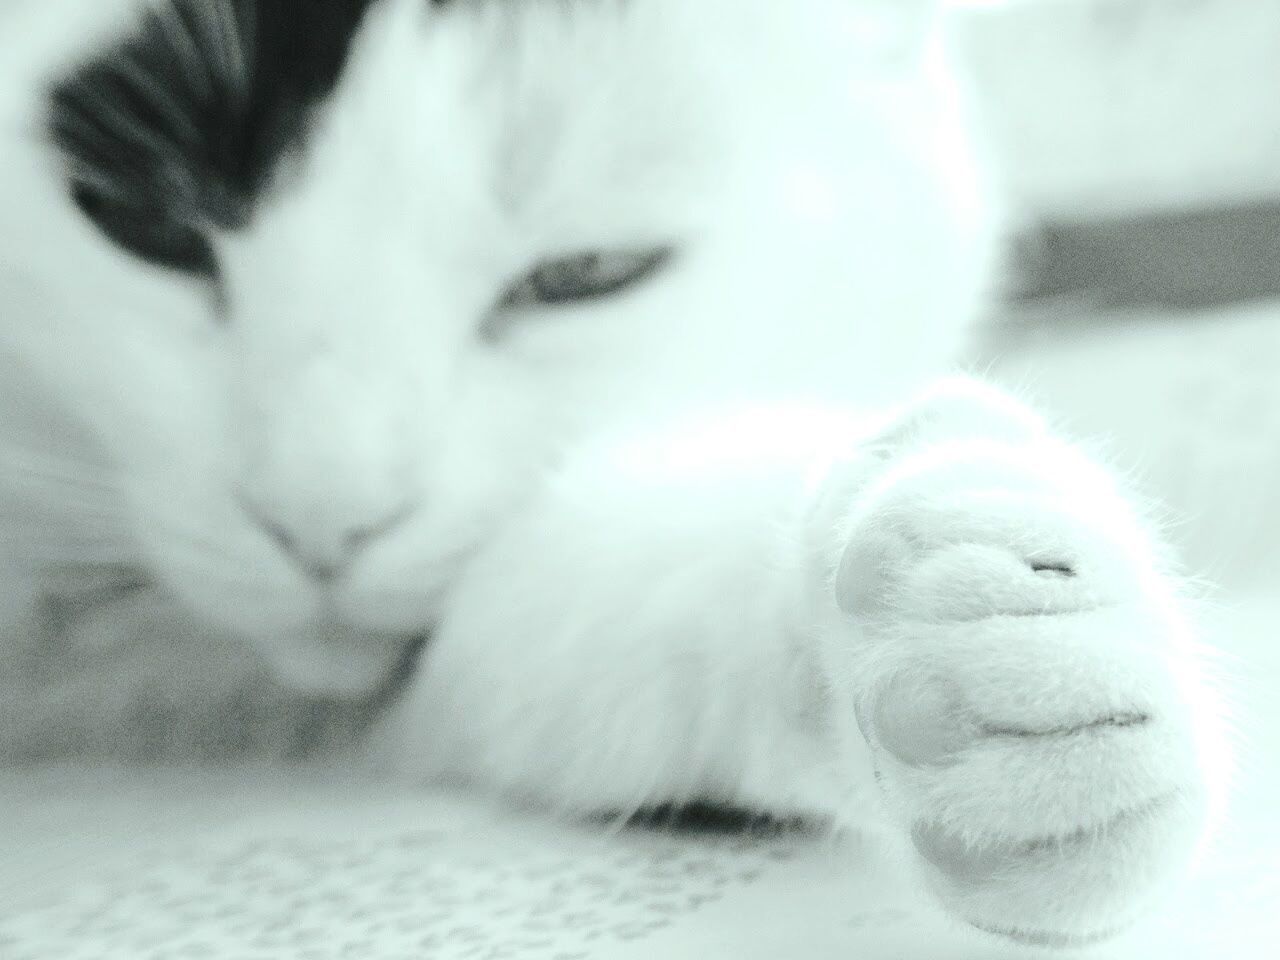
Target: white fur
627, 520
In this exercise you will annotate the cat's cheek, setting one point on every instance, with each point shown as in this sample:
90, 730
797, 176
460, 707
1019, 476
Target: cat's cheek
246, 592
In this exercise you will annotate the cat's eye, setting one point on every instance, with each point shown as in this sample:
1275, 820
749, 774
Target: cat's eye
149, 233
586, 276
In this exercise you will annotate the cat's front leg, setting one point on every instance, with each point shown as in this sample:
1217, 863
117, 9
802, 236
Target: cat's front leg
1002, 638
963, 610
640, 633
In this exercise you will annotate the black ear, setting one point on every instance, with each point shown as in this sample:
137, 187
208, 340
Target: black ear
183, 119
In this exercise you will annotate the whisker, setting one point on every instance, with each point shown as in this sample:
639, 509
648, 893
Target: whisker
171, 20
201, 541
149, 87
97, 128
97, 147
234, 47
85, 109
112, 189
36, 471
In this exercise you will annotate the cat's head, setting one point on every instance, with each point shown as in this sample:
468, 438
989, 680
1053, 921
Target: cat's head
334, 282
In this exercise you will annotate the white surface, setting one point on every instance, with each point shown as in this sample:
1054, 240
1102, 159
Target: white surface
1106, 106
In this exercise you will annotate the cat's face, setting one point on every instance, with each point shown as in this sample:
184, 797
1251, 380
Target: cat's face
335, 282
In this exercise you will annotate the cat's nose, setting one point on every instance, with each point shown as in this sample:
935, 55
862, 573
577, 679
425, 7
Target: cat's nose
323, 549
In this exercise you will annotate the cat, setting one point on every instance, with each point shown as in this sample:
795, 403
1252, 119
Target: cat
565, 395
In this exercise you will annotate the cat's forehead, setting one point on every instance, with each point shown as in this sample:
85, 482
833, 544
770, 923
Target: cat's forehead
196, 102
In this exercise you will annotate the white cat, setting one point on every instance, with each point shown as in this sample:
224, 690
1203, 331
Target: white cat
607, 346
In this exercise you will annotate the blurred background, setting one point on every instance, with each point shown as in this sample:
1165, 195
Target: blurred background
1113, 108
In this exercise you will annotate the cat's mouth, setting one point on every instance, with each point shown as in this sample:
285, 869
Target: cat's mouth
333, 658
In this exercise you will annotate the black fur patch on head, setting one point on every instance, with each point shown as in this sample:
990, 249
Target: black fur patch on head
180, 126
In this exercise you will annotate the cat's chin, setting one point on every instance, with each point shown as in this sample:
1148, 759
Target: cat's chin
336, 660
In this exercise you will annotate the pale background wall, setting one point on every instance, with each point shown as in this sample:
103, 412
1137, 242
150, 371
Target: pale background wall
1107, 106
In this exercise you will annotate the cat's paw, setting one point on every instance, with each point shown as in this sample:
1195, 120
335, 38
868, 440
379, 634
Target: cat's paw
1025, 683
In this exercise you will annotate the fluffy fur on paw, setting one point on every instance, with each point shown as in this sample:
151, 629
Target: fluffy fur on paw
1026, 682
